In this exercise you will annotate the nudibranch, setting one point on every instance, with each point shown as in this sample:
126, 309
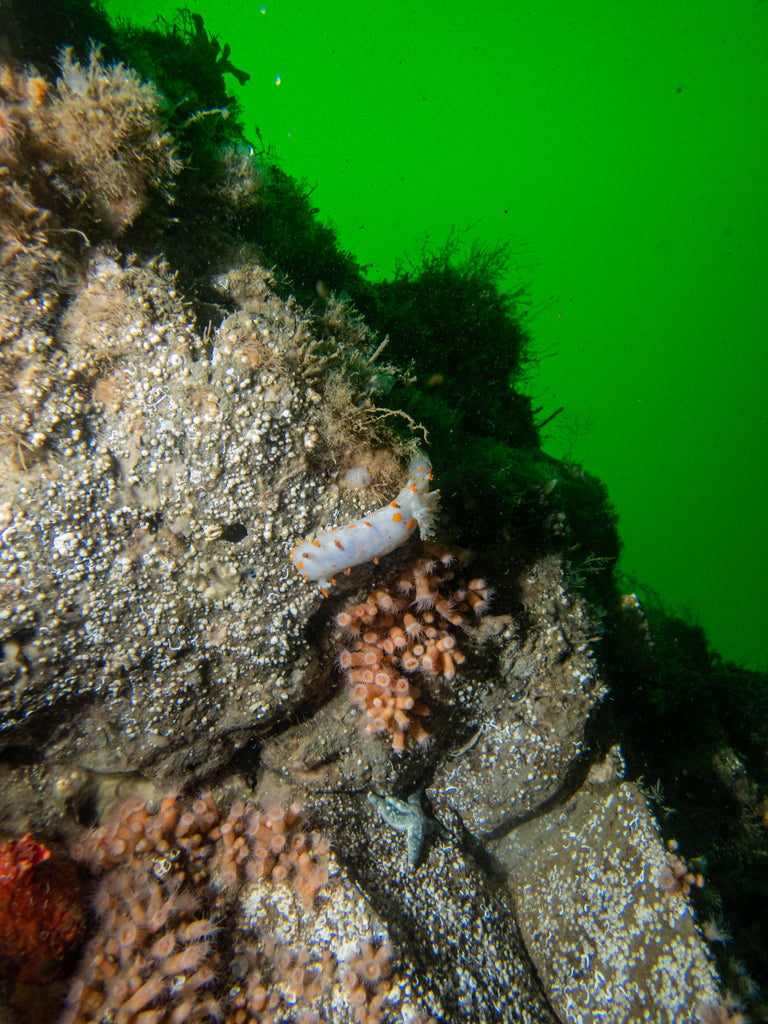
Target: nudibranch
367, 539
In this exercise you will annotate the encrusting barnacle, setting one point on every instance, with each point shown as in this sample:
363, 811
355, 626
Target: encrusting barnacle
406, 630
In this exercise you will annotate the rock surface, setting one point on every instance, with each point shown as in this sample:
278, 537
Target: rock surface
151, 618
611, 938
153, 627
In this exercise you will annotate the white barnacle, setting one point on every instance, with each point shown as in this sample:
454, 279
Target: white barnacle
65, 544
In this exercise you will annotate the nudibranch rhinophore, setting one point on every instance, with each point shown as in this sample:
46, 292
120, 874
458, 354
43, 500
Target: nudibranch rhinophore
377, 534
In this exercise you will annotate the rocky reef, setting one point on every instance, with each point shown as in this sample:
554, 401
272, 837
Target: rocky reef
390, 802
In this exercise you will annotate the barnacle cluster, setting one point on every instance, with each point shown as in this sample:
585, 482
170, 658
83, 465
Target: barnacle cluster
595, 891
170, 882
406, 629
79, 161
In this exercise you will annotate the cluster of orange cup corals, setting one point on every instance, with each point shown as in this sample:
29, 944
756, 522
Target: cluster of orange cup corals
677, 879
365, 979
402, 630
281, 978
154, 956
223, 847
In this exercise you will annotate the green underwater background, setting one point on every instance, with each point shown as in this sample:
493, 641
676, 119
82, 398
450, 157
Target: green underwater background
620, 152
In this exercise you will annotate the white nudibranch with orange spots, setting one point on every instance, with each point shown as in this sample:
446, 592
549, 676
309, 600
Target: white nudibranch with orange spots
377, 534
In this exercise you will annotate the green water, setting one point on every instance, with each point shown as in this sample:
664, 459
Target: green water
623, 152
